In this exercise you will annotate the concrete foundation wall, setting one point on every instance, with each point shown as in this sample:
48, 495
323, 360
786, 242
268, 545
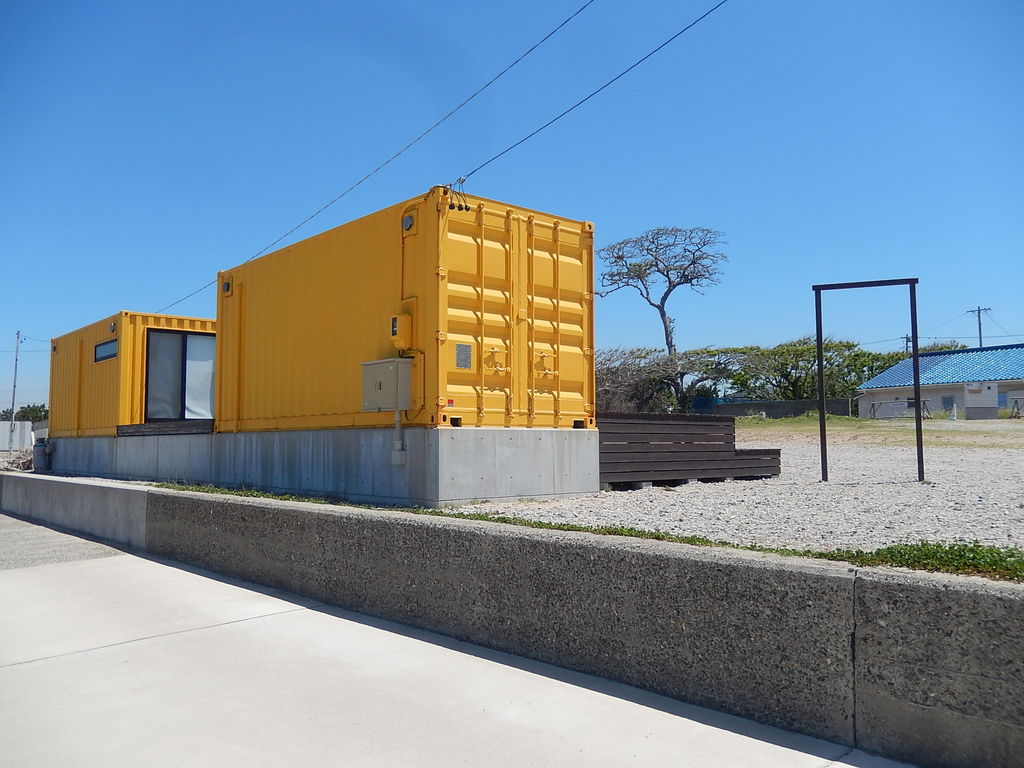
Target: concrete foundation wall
923, 667
442, 465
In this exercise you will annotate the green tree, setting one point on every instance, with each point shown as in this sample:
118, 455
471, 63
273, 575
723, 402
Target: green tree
788, 371
33, 412
940, 346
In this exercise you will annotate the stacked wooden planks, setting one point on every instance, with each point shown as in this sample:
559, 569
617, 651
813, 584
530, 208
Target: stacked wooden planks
176, 427
665, 447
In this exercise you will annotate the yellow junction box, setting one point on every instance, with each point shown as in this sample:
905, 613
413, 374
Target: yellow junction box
493, 304
98, 374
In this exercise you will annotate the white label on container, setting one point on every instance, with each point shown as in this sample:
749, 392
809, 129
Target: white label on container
464, 356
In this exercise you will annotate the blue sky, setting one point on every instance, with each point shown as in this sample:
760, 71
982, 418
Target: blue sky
146, 145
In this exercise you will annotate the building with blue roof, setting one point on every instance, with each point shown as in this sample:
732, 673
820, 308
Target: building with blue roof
977, 382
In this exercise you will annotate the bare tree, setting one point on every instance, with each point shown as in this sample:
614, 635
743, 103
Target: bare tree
660, 260
634, 380
650, 380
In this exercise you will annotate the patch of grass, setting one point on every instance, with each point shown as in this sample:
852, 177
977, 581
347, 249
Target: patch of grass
257, 494
965, 558
807, 420
250, 492
970, 558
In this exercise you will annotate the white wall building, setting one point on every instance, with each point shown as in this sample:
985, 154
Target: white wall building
977, 381
15, 436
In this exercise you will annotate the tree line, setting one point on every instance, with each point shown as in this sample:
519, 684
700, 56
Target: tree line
643, 379
34, 412
661, 260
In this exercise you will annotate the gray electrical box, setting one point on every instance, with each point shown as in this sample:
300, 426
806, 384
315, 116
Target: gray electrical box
387, 384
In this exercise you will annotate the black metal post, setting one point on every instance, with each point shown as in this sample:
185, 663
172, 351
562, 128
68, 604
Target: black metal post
821, 386
917, 383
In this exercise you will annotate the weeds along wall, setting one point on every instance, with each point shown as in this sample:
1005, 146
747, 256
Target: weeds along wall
98, 373
492, 302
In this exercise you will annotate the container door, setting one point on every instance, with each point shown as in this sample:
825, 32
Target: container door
517, 308
557, 304
479, 348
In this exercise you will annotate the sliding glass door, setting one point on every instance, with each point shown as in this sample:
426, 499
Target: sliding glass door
179, 375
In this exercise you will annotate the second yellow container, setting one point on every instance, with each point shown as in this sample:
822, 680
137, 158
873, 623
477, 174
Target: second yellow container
492, 303
106, 374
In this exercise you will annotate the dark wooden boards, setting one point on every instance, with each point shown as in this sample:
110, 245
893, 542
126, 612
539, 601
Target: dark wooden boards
664, 418
183, 427
654, 447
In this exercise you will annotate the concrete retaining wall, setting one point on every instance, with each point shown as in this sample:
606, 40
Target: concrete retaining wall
442, 465
940, 668
923, 667
107, 510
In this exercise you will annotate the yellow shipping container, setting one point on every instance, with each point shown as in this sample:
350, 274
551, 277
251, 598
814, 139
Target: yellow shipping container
493, 303
98, 374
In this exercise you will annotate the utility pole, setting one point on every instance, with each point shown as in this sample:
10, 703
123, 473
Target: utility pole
978, 312
906, 343
14, 389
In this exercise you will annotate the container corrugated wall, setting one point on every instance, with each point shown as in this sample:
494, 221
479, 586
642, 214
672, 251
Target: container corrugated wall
91, 398
502, 314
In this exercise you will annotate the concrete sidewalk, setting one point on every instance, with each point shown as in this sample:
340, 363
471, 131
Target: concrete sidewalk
111, 659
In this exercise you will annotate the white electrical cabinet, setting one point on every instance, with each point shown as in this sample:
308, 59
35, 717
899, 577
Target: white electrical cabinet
387, 384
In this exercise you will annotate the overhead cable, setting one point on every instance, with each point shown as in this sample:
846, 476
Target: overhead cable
880, 341
462, 179
1000, 326
400, 152
945, 322
972, 336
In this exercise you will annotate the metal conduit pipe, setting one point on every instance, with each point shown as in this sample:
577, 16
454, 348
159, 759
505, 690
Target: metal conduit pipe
398, 454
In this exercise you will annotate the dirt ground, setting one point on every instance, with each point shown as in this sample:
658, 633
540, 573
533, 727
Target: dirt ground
16, 460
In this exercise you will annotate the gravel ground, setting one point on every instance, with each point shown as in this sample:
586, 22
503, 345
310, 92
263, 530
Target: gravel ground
872, 500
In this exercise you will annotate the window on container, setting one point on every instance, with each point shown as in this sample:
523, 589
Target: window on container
179, 375
105, 350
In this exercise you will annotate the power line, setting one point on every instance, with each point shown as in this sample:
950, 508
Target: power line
592, 94
25, 338
991, 336
198, 290
881, 341
943, 338
400, 152
1000, 326
945, 322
